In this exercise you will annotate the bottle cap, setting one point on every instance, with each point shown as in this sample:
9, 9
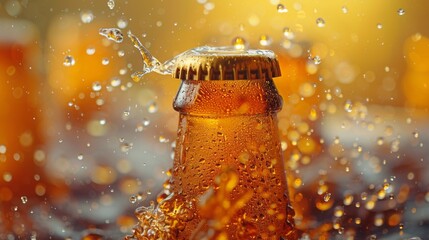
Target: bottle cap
226, 63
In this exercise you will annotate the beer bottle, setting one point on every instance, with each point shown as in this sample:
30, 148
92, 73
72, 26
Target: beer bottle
228, 159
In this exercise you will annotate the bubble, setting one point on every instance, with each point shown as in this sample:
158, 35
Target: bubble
96, 86
122, 23
113, 34
401, 12
24, 199
86, 16
69, 61
320, 22
90, 51
265, 40
281, 8
111, 4
239, 43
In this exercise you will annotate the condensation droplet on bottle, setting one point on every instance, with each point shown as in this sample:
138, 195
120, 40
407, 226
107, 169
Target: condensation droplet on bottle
316, 60
327, 197
281, 8
24, 199
239, 43
96, 86
380, 141
344, 9
122, 23
320, 22
86, 16
69, 61
121, 53
113, 34
379, 25
265, 40
80, 157
111, 4
415, 134
401, 12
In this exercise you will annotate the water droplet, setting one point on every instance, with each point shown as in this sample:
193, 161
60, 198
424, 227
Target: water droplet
344, 9
348, 106
152, 107
125, 147
379, 26
24, 199
288, 33
239, 43
86, 16
111, 4
265, 40
69, 61
105, 61
113, 34
316, 59
122, 23
121, 53
415, 134
281, 8
80, 157
115, 82
163, 139
327, 197
146, 122
90, 51
401, 12
133, 199
96, 86
320, 22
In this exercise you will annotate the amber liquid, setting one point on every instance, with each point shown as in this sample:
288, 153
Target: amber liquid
228, 130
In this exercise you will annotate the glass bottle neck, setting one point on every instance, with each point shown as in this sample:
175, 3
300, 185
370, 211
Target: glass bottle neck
221, 98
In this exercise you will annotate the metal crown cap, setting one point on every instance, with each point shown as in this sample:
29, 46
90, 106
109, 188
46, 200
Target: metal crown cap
225, 63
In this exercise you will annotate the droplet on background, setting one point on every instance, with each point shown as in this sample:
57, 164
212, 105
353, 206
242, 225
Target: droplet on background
344, 9
96, 86
265, 40
401, 12
281, 8
69, 61
122, 23
113, 34
90, 51
86, 16
239, 43
111, 4
379, 26
287, 32
320, 22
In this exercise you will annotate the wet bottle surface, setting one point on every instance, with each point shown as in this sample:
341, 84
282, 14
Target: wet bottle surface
228, 161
